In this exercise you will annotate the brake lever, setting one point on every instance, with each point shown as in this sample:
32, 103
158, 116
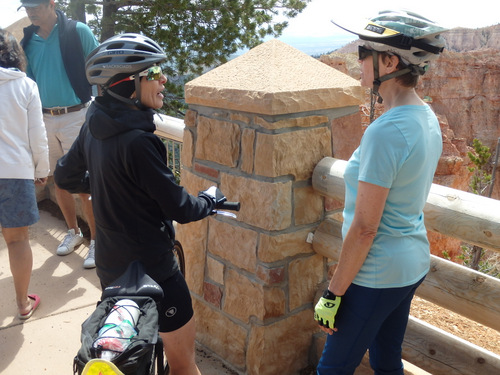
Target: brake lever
225, 213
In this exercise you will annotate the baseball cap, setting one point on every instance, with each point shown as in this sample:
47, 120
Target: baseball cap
32, 3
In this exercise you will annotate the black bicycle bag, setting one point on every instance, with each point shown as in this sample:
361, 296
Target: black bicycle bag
139, 356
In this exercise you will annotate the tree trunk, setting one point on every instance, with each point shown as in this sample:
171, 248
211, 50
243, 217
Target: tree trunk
108, 23
79, 11
476, 257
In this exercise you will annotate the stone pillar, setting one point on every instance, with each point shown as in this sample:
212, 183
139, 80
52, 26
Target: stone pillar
256, 127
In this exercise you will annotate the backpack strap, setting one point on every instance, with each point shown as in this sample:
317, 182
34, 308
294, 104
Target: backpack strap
73, 57
27, 34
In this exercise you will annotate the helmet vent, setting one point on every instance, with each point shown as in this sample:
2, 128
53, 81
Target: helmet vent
146, 48
103, 60
132, 59
420, 54
118, 45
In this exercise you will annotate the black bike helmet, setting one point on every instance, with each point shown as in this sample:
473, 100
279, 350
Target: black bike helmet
124, 54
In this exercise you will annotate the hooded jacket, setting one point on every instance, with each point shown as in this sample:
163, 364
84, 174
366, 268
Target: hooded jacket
23, 140
135, 196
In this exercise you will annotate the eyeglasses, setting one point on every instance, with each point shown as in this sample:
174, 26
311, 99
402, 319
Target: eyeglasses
153, 73
364, 52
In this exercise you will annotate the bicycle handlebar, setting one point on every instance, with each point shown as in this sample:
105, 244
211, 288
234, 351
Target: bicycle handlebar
232, 206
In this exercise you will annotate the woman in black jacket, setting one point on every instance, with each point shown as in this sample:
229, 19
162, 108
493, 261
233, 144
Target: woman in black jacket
134, 194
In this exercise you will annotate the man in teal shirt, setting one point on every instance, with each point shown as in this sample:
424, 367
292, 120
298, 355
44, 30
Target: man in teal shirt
56, 49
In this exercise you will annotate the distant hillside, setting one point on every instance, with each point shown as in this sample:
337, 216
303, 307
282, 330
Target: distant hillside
457, 40
466, 40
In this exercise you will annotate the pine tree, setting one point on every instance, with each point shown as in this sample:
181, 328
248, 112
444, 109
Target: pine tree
196, 34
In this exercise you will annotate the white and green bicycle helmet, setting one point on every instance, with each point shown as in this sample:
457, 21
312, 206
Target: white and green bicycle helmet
412, 37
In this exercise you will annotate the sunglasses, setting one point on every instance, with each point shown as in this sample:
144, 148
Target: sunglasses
364, 52
152, 74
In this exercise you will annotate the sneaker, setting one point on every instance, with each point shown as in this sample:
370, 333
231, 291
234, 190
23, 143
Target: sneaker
89, 261
69, 242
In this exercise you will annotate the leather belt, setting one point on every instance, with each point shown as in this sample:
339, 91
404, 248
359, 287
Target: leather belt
64, 110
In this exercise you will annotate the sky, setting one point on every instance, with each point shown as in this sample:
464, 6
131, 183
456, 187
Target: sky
314, 21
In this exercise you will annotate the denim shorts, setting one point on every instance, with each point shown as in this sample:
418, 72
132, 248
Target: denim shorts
18, 206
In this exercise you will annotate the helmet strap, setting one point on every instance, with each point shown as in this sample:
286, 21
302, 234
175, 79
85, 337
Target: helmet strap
131, 101
374, 94
121, 98
137, 99
377, 81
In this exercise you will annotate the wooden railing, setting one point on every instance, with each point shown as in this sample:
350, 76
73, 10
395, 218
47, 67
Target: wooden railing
468, 217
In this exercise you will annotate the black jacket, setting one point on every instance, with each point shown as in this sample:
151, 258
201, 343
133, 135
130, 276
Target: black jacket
134, 193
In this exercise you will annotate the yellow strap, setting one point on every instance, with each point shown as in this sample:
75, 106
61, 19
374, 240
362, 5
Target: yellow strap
100, 367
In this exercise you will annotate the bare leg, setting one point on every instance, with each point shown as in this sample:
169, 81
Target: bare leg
21, 264
180, 349
66, 203
89, 213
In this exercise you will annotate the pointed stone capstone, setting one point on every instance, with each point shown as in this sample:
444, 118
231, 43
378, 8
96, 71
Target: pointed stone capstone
274, 78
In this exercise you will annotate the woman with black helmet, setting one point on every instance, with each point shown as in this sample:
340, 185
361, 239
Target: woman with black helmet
134, 194
385, 253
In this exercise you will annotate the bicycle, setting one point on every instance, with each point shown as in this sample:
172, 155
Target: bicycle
144, 355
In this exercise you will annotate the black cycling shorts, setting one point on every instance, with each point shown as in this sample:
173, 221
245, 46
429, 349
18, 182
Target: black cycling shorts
176, 308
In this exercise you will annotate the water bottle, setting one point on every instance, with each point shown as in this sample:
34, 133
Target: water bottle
124, 309
118, 330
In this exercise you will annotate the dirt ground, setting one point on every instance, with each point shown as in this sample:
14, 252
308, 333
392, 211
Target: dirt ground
456, 324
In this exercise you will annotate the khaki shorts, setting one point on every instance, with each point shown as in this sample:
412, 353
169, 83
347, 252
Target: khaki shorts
62, 131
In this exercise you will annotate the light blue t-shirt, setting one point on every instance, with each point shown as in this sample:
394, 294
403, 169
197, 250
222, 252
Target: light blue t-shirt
399, 151
46, 66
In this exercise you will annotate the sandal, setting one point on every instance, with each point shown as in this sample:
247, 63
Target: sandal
34, 305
